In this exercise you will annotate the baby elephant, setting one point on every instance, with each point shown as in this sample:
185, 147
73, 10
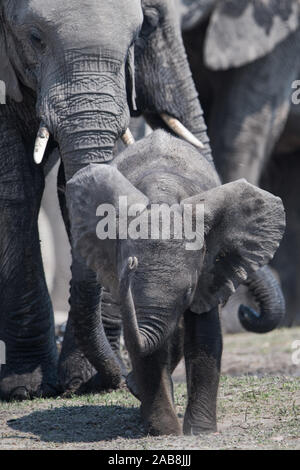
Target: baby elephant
169, 269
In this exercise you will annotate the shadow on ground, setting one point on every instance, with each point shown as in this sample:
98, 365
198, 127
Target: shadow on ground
81, 424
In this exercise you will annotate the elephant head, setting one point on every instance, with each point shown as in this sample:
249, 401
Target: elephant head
240, 31
156, 279
91, 66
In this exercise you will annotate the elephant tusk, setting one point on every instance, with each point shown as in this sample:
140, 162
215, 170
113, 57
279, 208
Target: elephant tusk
41, 144
176, 126
128, 138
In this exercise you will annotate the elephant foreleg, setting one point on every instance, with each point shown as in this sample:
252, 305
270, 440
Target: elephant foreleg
154, 384
26, 316
202, 351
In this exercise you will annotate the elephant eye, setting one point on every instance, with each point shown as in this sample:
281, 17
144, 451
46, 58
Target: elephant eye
36, 40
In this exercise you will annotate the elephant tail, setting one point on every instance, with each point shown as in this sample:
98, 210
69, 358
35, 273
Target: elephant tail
268, 295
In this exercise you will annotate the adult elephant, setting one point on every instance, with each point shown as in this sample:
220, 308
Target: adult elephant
73, 73
244, 56
281, 176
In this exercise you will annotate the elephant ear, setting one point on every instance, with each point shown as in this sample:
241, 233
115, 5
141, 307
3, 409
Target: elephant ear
243, 228
87, 192
7, 73
241, 31
192, 12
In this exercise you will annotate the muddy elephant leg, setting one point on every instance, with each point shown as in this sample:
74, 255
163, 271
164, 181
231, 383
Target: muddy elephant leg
154, 383
76, 374
202, 351
74, 370
26, 316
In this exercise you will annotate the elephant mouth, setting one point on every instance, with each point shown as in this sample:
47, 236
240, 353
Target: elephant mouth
127, 138
43, 137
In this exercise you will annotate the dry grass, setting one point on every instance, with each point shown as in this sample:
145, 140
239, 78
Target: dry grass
254, 411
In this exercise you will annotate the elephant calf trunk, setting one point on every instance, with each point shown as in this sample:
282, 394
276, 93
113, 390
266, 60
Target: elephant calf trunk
143, 338
267, 293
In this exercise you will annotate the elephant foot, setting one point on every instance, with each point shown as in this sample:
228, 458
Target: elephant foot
78, 377
28, 382
161, 421
77, 386
76, 374
89, 382
161, 424
74, 370
193, 425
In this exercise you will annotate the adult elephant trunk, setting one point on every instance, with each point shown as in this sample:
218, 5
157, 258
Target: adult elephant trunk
267, 293
85, 108
89, 330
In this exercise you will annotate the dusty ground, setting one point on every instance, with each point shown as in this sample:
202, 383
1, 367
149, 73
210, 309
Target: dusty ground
258, 408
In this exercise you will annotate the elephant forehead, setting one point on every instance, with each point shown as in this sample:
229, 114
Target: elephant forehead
168, 162
160, 287
165, 186
85, 21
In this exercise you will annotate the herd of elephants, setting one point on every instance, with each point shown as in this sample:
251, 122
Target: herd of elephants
215, 81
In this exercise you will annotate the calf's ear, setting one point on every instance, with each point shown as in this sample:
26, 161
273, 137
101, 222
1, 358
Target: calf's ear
243, 228
94, 194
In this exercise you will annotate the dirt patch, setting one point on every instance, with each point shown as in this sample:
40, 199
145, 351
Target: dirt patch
261, 355
260, 410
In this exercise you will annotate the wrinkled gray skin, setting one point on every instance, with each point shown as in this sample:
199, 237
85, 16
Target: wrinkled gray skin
71, 66
244, 81
244, 57
168, 295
